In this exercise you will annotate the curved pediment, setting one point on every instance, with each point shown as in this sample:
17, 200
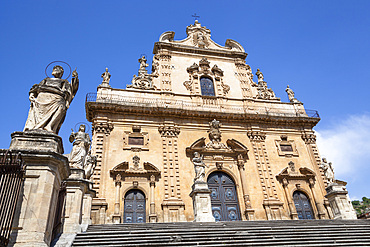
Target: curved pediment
236, 146
199, 36
120, 167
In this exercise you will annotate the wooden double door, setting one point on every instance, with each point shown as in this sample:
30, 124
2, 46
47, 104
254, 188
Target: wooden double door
134, 211
224, 199
303, 206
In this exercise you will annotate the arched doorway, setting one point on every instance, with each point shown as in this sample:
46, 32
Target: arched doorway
224, 200
134, 211
303, 206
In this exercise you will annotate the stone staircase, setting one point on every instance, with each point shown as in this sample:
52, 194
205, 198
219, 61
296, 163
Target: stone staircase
241, 233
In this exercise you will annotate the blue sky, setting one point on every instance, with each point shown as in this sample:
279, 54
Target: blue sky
320, 48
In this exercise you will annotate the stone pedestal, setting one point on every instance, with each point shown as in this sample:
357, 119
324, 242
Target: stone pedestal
77, 207
76, 187
86, 209
339, 201
202, 202
99, 211
46, 167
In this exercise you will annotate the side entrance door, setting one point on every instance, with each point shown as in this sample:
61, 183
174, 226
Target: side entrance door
224, 200
134, 211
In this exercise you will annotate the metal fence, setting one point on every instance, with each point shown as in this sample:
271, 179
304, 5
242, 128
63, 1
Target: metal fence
277, 110
12, 171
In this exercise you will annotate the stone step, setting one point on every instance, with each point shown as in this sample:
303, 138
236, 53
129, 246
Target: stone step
242, 233
222, 233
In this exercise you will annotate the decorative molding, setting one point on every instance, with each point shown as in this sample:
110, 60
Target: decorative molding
309, 138
256, 135
102, 127
169, 130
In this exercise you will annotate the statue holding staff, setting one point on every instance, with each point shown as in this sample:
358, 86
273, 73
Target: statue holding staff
50, 100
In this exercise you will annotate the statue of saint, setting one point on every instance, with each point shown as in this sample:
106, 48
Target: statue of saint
106, 76
290, 94
259, 75
81, 144
50, 100
199, 166
328, 171
90, 164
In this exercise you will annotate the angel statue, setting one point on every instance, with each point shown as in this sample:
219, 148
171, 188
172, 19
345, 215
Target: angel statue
50, 100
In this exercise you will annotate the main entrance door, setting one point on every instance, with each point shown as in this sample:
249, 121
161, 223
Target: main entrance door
303, 206
224, 200
134, 207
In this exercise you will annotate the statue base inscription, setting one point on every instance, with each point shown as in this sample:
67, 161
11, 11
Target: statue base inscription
202, 202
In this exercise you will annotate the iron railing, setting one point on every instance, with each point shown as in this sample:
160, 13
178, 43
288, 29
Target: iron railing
279, 110
12, 171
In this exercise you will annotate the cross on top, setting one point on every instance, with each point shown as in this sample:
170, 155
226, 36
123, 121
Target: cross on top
195, 16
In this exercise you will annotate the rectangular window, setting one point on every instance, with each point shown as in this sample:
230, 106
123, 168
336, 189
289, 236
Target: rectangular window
286, 147
136, 141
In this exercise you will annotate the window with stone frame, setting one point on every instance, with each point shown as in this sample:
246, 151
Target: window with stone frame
135, 140
207, 86
286, 147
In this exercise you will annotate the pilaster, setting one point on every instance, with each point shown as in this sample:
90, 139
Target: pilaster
172, 205
273, 206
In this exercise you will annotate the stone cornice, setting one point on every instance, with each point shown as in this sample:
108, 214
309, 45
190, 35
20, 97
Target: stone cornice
94, 108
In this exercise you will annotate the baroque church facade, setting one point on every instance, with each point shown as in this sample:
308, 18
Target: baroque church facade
201, 100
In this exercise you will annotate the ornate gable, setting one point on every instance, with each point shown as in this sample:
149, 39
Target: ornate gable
199, 36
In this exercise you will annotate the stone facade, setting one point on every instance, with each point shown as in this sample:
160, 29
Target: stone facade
145, 137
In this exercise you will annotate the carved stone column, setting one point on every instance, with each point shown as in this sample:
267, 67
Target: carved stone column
319, 206
273, 206
171, 175
292, 210
152, 214
116, 216
249, 212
